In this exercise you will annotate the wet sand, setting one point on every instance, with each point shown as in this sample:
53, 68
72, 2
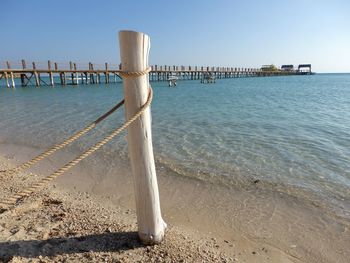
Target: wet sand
82, 217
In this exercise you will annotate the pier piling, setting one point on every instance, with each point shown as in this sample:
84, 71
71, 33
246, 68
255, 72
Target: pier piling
7, 80
50, 73
36, 75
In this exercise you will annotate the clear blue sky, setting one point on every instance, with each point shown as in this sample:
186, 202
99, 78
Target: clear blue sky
183, 32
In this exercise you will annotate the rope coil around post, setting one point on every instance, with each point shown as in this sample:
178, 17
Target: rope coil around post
126, 74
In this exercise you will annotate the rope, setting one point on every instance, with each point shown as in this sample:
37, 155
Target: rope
66, 142
81, 132
128, 74
12, 200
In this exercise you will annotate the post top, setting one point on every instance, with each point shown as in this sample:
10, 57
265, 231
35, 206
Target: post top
131, 32
134, 50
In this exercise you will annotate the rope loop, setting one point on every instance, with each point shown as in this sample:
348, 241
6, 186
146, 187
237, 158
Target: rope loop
128, 74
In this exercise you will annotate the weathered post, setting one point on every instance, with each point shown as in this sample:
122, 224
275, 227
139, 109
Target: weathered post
23, 75
134, 51
75, 78
50, 73
98, 78
11, 74
7, 79
64, 78
36, 75
91, 68
106, 73
24, 64
71, 69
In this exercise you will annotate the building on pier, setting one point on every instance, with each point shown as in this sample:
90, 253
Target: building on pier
287, 67
304, 69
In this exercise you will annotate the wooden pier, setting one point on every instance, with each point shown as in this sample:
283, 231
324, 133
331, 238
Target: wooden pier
53, 73
39, 74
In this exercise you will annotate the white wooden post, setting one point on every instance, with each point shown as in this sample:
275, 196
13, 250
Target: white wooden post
134, 51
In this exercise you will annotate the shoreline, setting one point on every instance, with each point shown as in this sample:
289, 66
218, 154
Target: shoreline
240, 222
56, 225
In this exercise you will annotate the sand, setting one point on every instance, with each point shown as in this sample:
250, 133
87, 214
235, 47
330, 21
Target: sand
62, 224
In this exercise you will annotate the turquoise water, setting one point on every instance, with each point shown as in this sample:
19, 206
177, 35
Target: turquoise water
288, 132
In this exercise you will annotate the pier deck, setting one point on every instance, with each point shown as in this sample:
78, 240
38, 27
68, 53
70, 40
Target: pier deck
89, 73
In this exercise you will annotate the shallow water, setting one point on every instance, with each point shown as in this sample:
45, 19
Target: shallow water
291, 133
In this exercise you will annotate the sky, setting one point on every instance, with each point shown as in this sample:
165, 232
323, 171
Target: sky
226, 33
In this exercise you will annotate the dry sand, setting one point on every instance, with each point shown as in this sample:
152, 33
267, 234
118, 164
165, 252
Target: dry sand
64, 225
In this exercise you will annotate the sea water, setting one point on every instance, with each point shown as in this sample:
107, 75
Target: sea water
290, 133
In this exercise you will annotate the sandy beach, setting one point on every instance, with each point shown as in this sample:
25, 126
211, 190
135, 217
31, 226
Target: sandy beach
63, 222
58, 225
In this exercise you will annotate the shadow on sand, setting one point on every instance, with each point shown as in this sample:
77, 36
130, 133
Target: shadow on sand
106, 242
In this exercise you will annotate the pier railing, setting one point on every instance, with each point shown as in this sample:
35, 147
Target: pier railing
71, 65
73, 73
55, 65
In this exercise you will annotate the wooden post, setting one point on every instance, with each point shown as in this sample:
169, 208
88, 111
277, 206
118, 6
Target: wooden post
71, 68
91, 68
76, 80
36, 75
24, 64
64, 78
7, 79
23, 74
106, 74
50, 73
11, 74
86, 78
61, 78
12, 80
134, 51
97, 77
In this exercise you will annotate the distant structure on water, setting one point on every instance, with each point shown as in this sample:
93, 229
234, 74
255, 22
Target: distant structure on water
287, 67
303, 69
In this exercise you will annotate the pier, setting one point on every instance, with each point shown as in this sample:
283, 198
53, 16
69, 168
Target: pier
52, 73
